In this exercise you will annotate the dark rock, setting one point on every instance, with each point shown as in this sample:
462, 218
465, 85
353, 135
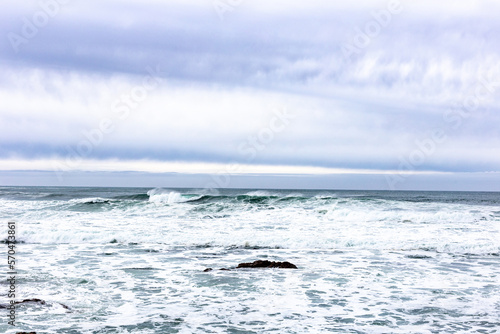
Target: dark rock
33, 300
267, 264
287, 265
260, 264
25, 332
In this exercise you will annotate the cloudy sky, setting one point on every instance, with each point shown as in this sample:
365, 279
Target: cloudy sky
251, 93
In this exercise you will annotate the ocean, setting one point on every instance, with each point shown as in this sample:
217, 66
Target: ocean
132, 260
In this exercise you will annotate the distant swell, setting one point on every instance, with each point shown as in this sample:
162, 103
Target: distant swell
160, 195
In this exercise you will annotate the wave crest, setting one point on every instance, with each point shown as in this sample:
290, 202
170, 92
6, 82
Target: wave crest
160, 195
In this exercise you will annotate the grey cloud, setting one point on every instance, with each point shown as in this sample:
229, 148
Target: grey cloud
374, 106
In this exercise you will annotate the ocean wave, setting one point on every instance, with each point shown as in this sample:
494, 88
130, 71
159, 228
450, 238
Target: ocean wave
160, 195
260, 193
90, 200
325, 197
135, 197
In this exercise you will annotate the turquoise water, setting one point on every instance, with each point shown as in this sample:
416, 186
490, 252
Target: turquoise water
131, 260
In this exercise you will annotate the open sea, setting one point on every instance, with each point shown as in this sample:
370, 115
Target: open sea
131, 260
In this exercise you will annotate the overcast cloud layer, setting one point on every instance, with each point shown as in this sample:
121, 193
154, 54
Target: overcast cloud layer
380, 85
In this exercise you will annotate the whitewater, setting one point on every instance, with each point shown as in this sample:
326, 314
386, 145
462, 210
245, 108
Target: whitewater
132, 260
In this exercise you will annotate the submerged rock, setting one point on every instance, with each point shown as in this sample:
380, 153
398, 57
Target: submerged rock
210, 269
267, 264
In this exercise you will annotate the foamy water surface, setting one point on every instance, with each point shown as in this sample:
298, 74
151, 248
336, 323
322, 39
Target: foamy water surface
132, 261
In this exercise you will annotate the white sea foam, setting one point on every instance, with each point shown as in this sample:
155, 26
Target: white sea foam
260, 193
160, 195
357, 225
